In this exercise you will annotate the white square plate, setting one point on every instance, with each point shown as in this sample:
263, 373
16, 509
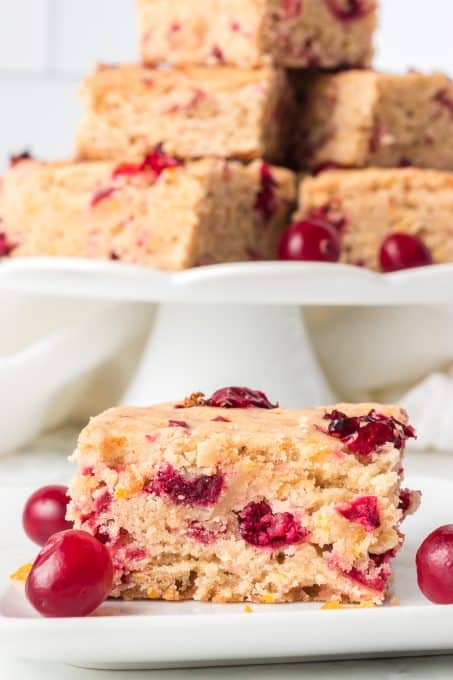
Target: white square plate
137, 635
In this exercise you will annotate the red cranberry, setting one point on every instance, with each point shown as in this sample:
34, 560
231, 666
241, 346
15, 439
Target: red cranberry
44, 513
435, 566
240, 397
203, 490
377, 574
349, 10
266, 200
17, 158
6, 247
155, 162
262, 528
363, 435
310, 240
403, 251
179, 423
363, 510
72, 575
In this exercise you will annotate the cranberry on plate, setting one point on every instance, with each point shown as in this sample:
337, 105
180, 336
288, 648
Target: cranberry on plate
44, 513
403, 251
435, 565
72, 575
310, 240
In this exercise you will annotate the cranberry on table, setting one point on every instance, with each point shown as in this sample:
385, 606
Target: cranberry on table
435, 566
72, 575
403, 251
310, 240
44, 513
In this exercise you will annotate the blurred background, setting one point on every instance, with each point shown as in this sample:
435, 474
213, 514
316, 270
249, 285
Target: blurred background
46, 46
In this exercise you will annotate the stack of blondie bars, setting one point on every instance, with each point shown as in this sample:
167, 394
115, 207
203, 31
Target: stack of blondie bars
180, 161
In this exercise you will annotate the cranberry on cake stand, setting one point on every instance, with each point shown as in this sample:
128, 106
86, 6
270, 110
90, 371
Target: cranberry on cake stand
231, 323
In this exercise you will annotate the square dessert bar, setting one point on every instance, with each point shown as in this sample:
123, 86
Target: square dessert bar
247, 33
233, 499
365, 118
159, 212
367, 206
195, 112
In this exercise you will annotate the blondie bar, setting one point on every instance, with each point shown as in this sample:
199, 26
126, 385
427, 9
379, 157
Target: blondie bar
365, 118
195, 112
246, 33
234, 499
367, 206
159, 212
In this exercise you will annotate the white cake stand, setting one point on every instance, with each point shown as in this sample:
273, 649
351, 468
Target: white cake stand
229, 324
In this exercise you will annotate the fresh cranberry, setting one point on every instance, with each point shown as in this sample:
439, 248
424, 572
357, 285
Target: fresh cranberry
44, 513
350, 10
262, 528
363, 510
203, 490
310, 240
403, 251
6, 247
71, 576
101, 195
362, 435
240, 397
266, 200
435, 566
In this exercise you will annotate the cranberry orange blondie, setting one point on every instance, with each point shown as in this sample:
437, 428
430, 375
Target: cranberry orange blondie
246, 33
194, 112
366, 207
159, 212
365, 118
234, 499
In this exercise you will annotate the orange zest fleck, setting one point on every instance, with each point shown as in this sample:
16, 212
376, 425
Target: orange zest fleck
22, 573
248, 609
334, 604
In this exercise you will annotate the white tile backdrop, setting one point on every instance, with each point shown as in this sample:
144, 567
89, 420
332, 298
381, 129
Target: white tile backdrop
46, 45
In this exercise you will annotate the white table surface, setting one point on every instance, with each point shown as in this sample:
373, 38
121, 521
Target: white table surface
46, 463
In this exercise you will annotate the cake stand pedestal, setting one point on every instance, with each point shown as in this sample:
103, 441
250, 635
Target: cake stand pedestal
228, 324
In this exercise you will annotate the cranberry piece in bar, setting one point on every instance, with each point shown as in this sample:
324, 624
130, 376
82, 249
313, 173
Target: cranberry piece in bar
310, 240
72, 575
262, 528
6, 247
202, 490
435, 565
240, 397
266, 200
403, 251
350, 10
363, 510
44, 513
